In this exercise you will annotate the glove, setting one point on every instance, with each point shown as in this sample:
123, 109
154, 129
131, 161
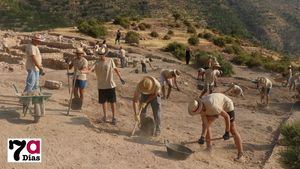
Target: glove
201, 140
122, 81
226, 136
143, 105
41, 72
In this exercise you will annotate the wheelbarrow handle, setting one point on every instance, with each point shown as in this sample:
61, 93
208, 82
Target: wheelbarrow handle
15, 88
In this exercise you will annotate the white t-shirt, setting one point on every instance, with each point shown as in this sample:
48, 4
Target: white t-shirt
122, 53
80, 64
237, 90
215, 103
104, 71
265, 82
32, 50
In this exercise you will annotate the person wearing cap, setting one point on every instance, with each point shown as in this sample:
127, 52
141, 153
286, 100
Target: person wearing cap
293, 81
210, 80
235, 90
166, 77
264, 85
144, 66
210, 107
148, 90
104, 69
33, 64
80, 65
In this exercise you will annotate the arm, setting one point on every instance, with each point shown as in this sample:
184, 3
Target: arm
175, 81
227, 90
227, 120
151, 66
118, 73
204, 125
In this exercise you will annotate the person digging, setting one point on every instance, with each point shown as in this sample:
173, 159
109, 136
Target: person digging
264, 85
166, 78
104, 69
210, 77
148, 90
144, 65
210, 107
235, 90
80, 65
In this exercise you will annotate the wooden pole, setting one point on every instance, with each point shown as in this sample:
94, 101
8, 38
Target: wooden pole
71, 95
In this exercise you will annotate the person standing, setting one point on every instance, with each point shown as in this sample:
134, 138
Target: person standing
290, 75
148, 90
187, 55
80, 65
122, 57
265, 86
210, 108
166, 77
33, 64
104, 69
118, 37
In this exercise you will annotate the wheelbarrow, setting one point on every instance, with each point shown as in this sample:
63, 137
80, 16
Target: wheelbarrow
37, 101
178, 151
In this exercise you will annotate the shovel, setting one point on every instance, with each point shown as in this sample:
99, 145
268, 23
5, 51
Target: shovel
136, 123
193, 142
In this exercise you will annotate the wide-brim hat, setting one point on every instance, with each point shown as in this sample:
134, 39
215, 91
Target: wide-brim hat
216, 65
38, 37
195, 107
102, 51
176, 72
79, 51
147, 85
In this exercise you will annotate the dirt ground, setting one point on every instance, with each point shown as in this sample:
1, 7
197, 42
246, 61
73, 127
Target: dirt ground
78, 141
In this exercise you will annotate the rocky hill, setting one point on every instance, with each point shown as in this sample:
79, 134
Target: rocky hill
274, 23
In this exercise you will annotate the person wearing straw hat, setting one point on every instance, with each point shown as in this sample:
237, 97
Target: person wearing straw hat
167, 77
80, 65
210, 107
148, 89
235, 90
265, 86
104, 69
33, 64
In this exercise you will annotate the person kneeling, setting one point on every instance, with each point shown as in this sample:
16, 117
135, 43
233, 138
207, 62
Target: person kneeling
210, 107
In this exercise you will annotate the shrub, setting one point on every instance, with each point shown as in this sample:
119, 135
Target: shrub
233, 49
142, 27
208, 36
191, 29
226, 66
200, 35
176, 16
177, 49
167, 37
93, 28
154, 34
122, 21
177, 25
170, 32
148, 26
241, 59
132, 37
291, 138
187, 23
193, 40
229, 39
254, 62
219, 41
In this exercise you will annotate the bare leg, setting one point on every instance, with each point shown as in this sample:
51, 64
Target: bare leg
104, 110
208, 133
236, 137
163, 89
113, 109
81, 91
267, 98
169, 91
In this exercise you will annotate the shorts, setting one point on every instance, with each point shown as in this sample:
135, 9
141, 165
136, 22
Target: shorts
231, 115
107, 95
266, 90
81, 84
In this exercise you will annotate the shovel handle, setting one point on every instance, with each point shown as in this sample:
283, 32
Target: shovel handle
136, 123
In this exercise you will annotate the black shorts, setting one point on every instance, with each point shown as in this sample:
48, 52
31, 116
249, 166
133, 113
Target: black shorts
231, 115
107, 95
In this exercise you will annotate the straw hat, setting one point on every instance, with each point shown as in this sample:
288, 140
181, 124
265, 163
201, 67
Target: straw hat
79, 51
37, 37
147, 85
176, 72
195, 107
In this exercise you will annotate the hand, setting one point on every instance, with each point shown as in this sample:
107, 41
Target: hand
178, 89
41, 72
201, 140
122, 81
226, 136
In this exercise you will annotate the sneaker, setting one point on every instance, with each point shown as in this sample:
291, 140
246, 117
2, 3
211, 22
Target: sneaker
104, 120
114, 121
157, 132
240, 158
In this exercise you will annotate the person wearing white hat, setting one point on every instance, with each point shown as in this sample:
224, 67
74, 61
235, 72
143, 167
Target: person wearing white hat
210, 107
167, 76
80, 65
148, 89
104, 69
33, 64
265, 86
235, 90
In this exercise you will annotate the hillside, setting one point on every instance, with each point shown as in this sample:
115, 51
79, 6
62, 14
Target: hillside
275, 23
